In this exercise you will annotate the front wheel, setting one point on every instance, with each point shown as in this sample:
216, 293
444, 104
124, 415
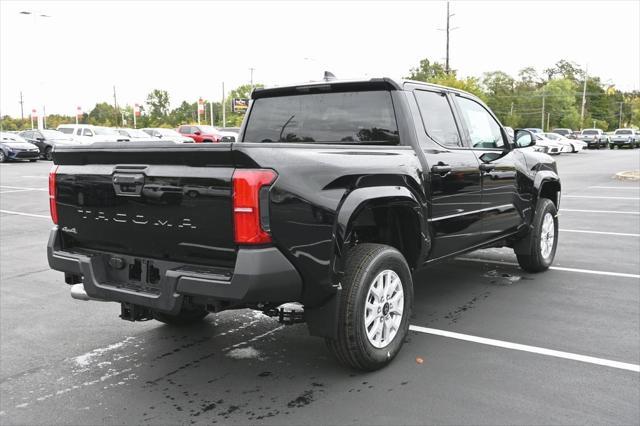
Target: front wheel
3, 157
48, 154
184, 317
374, 307
541, 243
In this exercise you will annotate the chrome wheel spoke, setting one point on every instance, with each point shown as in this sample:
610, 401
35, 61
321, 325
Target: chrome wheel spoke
384, 306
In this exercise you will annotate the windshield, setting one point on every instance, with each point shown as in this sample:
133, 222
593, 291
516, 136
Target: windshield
11, 137
589, 132
54, 134
168, 132
624, 132
208, 129
136, 133
552, 136
346, 117
104, 131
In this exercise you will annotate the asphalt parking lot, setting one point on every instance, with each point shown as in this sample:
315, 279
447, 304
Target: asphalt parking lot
497, 345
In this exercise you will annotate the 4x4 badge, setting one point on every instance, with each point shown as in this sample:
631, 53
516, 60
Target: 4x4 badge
69, 230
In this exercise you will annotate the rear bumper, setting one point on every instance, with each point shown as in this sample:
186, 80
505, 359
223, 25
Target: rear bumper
260, 275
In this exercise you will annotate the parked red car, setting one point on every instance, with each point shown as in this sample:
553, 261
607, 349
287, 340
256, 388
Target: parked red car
206, 133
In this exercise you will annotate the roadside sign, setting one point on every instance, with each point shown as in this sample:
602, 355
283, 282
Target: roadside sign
239, 105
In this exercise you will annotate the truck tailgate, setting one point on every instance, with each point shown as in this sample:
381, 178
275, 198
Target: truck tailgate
159, 201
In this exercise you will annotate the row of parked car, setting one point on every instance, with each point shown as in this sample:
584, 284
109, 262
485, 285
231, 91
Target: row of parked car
562, 140
597, 138
20, 145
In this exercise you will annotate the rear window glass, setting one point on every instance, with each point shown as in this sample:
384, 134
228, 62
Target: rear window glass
339, 117
624, 132
589, 132
67, 130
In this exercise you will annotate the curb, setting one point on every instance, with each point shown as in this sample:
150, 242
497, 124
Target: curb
628, 175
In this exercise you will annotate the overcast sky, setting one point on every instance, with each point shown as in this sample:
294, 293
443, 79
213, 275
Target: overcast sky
84, 48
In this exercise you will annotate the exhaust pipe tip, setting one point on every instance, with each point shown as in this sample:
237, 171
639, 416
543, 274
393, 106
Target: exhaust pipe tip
78, 293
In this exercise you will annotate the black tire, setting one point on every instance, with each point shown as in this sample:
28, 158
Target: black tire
48, 153
352, 347
612, 146
34, 160
531, 258
185, 317
3, 157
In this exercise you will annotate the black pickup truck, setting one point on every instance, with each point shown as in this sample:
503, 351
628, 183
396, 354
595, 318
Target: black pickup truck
335, 193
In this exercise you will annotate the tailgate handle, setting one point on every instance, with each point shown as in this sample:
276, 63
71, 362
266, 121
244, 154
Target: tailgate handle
128, 184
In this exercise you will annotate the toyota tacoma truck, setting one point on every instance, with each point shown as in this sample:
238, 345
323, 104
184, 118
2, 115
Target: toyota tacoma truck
333, 196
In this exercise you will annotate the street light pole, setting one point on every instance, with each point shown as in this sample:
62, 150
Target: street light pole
34, 15
620, 121
584, 96
251, 69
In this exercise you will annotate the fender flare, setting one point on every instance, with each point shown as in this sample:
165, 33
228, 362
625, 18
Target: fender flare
543, 177
322, 320
360, 198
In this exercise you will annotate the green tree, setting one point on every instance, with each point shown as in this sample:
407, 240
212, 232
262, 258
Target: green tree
103, 114
158, 103
241, 92
427, 71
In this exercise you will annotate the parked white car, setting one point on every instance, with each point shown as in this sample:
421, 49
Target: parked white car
136, 134
568, 145
549, 147
87, 133
625, 137
167, 134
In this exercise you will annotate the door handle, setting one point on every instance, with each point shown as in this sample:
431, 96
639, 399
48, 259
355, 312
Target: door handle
441, 169
487, 167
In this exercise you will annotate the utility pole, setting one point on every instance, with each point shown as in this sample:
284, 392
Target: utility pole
21, 106
584, 96
620, 123
224, 114
211, 111
251, 69
542, 124
115, 104
44, 117
548, 117
511, 112
446, 64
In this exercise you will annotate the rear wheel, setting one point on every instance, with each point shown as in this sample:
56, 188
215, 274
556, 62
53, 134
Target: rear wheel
184, 317
374, 307
542, 241
48, 153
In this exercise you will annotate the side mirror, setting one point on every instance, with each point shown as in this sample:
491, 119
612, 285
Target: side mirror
197, 133
40, 139
524, 138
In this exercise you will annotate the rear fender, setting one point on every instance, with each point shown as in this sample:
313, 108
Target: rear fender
323, 320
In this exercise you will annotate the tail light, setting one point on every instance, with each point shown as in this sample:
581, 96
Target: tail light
53, 208
247, 183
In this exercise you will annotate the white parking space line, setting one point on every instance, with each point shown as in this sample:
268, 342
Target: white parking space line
600, 198
527, 348
36, 177
555, 268
597, 211
24, 187
584, 231
16, 190
25, 214
636, 188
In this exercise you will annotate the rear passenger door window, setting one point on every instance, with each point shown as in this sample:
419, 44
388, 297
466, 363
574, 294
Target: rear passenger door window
484, 130
438, 119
